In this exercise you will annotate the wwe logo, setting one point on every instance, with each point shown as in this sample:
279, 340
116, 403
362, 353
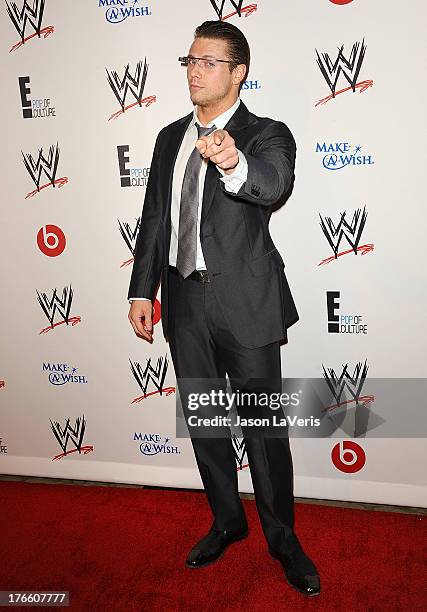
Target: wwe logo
133, 84
129, 235
154, 375
239, 451
55, 305
219, 8
363, 419
48, 165
28, 14
349, 68
68, 433
353, 383
351, 232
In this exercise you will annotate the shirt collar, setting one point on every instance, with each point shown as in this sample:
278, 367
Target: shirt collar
221, 121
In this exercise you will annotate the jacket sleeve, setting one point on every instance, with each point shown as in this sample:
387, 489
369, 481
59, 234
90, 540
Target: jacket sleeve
271, 163
148, 258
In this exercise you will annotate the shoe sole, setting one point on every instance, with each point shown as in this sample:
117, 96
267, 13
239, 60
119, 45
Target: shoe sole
293, 585
242, 537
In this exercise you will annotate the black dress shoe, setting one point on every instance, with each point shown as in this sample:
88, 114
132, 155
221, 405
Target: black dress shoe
212, 546
300, 571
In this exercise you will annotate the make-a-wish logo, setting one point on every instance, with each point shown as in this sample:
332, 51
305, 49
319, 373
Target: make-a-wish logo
120, 10
339, 155
351, 412
34, 108
345, 230
346, 67
239, 451
63, 373
238, 7
68, 436
251, 85
44, 165
129, 233
31, 12
130, 84
130, 177
155, 444
342, 323
57, 307
151, 377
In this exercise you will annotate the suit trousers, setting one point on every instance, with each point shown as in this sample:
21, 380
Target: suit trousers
203, 347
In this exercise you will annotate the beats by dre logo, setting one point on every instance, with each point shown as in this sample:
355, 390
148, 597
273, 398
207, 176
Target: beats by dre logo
348, 457
51, 240
341, 1
157, 314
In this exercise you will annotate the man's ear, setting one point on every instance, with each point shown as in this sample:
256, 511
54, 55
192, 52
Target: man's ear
239, 73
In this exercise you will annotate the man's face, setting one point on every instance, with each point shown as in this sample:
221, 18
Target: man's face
209, 86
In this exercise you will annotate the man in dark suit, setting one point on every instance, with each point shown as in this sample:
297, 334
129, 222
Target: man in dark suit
226, 303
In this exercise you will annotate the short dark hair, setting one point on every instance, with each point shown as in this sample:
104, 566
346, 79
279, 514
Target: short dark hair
238, 48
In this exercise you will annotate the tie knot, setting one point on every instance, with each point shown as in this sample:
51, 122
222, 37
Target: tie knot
204, 131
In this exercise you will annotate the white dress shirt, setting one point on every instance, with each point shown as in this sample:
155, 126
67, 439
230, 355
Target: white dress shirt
232, 182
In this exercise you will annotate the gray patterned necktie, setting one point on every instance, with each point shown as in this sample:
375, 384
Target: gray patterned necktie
187, 230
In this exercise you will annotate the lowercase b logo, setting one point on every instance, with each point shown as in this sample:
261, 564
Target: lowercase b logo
348, 457
51, 240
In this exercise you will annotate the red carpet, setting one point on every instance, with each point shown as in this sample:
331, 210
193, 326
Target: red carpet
123, 549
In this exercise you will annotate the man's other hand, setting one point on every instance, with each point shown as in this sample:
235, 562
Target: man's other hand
141, 318
220, 148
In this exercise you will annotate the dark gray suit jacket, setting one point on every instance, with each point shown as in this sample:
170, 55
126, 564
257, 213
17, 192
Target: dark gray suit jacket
246, 268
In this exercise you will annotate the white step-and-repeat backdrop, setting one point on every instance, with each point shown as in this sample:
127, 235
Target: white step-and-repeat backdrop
86, 86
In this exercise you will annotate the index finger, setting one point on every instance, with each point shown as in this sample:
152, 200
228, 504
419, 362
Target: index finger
218, 136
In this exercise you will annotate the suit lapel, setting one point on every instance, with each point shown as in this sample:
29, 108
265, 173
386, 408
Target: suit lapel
237, 122
173, 145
